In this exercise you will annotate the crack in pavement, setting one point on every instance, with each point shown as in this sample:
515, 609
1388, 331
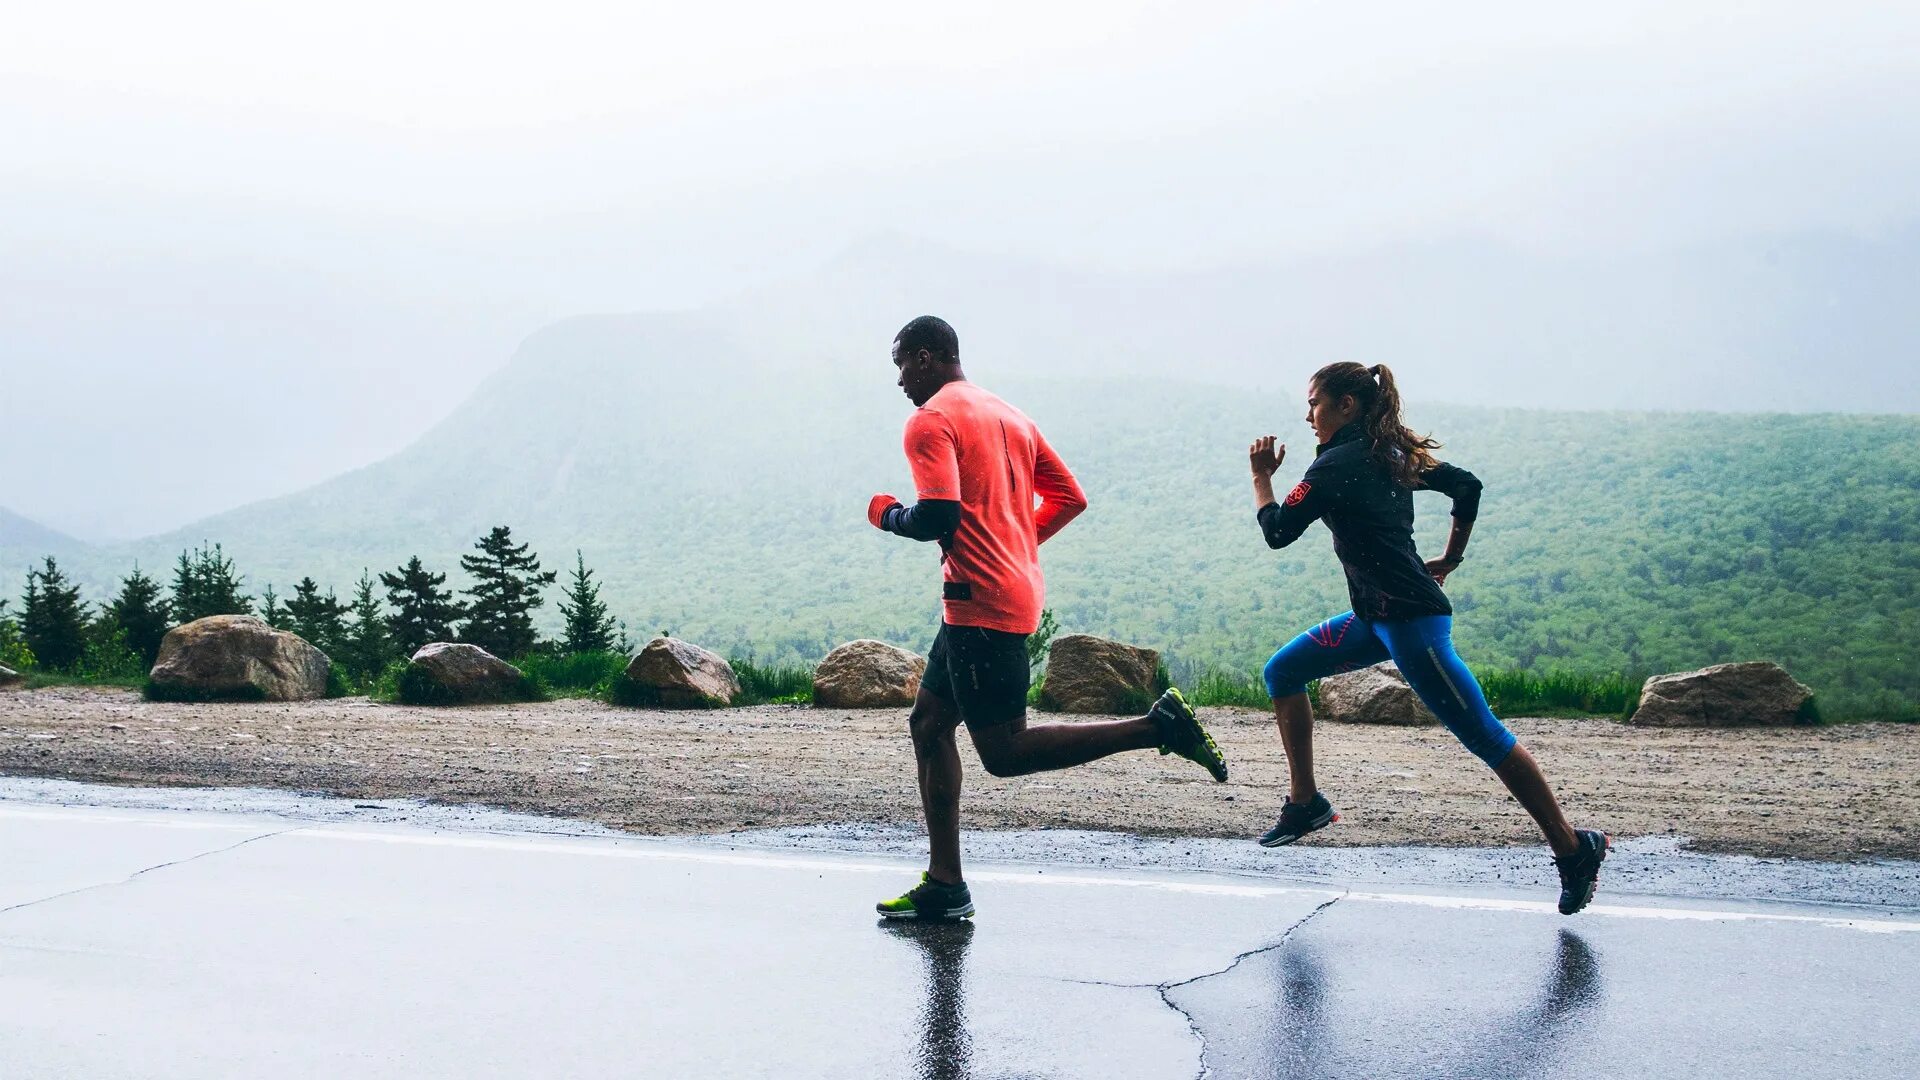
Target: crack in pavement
1166, 989
150, 869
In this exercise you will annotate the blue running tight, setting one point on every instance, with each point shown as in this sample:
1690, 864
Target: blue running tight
1421, 648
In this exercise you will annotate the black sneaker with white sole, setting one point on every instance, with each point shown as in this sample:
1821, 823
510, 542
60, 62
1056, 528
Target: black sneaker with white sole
1299, 819
1580, 871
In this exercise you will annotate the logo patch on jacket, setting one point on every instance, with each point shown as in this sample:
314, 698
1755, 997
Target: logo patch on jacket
1298, 493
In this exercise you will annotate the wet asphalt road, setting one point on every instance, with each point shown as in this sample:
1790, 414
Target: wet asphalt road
150, 943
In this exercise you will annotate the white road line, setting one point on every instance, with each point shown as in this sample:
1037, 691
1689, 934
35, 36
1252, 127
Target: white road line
654, 850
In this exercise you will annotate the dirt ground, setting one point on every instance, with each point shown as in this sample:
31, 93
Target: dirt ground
1844, 792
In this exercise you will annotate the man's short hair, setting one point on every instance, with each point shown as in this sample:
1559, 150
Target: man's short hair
929, 332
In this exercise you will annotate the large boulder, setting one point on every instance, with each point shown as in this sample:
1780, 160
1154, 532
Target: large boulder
459, 674
1087, 674
236, 657
1725, 695
10, 678
867, 674
1373, 695
680, 674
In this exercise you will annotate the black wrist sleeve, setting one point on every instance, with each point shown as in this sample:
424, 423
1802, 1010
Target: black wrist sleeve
928, 519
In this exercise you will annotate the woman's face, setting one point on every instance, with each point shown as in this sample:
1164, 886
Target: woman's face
1328, 416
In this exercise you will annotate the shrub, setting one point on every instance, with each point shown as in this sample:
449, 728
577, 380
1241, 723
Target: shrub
386, 685
1224, 686
576, 674
109, 659
773, 684
339, 683
1559, 693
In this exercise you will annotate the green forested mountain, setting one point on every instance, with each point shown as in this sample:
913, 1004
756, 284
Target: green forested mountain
720, 493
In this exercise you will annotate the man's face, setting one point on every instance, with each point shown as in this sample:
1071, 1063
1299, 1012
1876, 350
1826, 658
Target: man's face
918, 378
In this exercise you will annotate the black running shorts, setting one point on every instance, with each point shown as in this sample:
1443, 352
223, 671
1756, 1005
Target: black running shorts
983, 672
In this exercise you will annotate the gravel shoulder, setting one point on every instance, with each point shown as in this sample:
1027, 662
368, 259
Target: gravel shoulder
1826, 793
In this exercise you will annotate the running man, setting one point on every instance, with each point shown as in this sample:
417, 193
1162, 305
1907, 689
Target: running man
1362, 482
978, 466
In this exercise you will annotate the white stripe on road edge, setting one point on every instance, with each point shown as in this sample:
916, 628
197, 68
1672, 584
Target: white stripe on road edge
647, 849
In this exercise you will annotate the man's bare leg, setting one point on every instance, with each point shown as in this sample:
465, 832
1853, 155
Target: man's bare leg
932, 721
1294, 715
1014, 749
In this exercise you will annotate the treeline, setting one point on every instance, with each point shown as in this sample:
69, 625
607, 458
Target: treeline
387, 618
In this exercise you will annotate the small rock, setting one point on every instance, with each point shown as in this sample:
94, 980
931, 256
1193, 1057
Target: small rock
1373, 695
1725, 695
237, 657
459, 673
1087, 674
867, 674
682, 674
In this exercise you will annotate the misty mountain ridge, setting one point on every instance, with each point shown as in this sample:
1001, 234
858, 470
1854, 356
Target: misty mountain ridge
1791, 323
21, 534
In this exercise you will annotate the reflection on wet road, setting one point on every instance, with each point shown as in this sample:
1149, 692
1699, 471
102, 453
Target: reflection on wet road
1306, 1027
946, 1046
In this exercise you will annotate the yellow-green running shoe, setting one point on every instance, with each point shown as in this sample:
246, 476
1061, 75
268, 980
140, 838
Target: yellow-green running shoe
930, 901
1181, 733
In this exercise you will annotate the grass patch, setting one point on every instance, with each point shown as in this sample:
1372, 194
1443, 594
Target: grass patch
576, 675
1560, 693
1224, 686
773, 684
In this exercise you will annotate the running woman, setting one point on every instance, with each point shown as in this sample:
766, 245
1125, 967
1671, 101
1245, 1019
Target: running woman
1362, 482
978, 466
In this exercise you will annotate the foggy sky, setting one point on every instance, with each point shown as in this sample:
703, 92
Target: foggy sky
243, 250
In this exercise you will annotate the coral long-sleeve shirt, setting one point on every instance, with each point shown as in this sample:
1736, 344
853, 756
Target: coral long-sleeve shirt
967, 445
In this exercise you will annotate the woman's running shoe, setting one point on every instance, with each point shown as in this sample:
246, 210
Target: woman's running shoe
930, 901
1580, 871
1299, 819
1181, 733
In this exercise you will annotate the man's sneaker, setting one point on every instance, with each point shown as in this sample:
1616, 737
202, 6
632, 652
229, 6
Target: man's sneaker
1580, 871
930, 901
1299, 819
1181, 733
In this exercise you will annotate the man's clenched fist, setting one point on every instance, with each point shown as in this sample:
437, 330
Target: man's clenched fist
877, 508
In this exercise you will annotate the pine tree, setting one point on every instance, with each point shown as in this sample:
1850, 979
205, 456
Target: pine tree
422, 612
271, 612
367, 646
205, 584
506, 589
589, 627
318, 618
141, 614
52, 619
